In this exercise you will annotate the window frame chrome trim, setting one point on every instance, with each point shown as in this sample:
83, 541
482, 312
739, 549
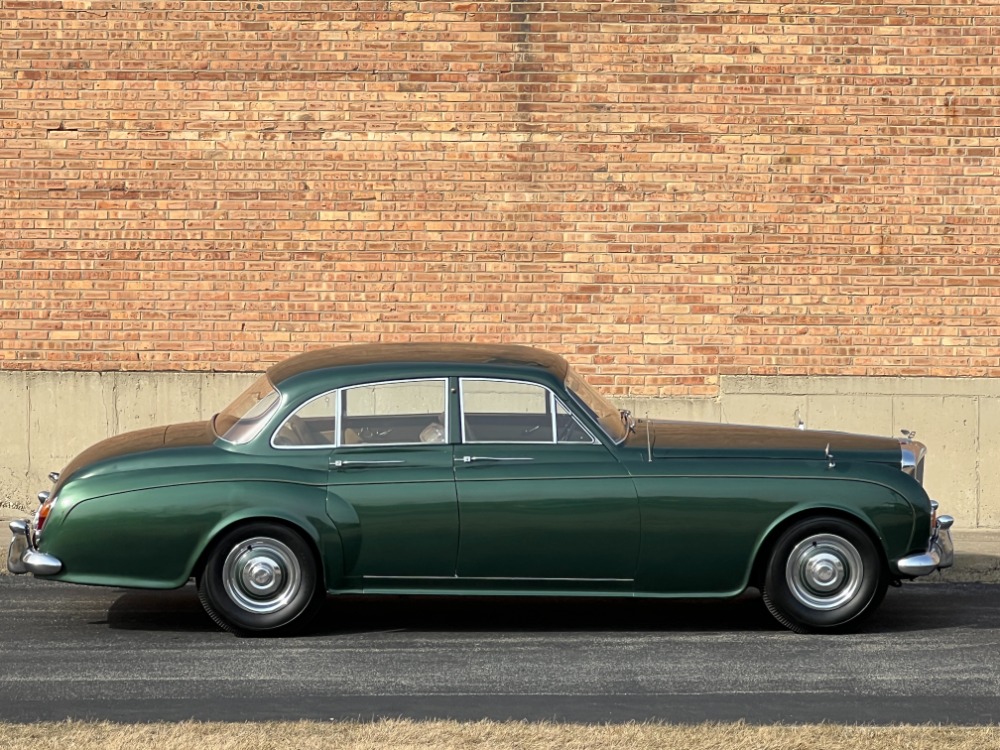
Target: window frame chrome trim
295, 411
553, 399
338, 417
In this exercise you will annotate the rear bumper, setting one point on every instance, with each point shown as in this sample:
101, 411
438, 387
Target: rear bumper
22, 557
940, 552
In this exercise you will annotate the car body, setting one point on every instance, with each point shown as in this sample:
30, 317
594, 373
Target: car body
479, 469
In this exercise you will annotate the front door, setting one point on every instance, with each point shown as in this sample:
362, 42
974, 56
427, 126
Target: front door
542, 503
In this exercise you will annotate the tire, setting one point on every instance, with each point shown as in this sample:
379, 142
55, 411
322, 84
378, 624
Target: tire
824, 575
260, 579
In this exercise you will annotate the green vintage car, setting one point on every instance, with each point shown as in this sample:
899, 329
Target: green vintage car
475, 469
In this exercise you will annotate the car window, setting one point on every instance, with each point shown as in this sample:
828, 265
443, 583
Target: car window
314, 424
396, 413
501, 411
568, 427
245, 417
608, 416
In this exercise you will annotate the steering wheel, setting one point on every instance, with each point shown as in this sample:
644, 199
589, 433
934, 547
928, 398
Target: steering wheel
372, 434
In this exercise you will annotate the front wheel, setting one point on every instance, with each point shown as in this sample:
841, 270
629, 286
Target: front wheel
260, 579
824, 575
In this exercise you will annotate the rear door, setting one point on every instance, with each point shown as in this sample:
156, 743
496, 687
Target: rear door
391, 488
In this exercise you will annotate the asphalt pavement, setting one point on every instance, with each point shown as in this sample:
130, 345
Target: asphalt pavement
932, 654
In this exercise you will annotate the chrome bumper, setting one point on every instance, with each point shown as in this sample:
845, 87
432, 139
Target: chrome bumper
940, 552
22, 557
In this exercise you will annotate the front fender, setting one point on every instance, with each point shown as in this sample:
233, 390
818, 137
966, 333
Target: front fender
888, 522
701, 536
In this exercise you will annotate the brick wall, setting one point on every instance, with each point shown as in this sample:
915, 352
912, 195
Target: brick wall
666, 193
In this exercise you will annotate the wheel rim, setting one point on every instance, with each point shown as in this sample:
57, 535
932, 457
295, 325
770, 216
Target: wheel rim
261, 575
824, 571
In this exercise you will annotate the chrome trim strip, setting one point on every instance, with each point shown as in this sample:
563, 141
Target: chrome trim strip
339, 464
491, 578
470, 459
525, 578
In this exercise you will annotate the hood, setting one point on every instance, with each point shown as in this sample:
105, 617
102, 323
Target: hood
700, 440
185, 435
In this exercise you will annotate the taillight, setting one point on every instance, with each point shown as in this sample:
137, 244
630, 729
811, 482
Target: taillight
934, 510
43, 512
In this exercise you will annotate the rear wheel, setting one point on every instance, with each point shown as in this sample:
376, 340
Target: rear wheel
824, 575
260, 579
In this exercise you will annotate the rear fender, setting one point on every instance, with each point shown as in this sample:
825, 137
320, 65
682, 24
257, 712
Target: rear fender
156, 538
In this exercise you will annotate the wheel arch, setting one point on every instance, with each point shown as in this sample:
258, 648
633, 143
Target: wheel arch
774, 533
308, 532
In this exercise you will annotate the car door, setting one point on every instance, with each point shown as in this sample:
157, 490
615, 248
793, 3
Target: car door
542, 502
391, 487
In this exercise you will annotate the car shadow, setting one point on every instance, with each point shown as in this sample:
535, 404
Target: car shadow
177, 610
538, 614
180, 611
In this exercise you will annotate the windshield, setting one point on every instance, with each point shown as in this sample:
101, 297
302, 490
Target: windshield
243, 419
606, 413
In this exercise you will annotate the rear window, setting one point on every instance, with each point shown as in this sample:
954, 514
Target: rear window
245, 417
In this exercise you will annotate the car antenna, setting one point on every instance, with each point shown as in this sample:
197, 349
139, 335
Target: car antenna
649, 441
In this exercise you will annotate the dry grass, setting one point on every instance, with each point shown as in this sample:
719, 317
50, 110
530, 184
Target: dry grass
449, 735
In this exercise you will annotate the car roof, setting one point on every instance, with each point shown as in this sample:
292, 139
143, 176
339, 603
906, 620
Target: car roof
445, 353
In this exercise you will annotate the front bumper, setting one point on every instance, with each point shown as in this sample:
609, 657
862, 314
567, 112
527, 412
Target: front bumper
22, 557
940, 552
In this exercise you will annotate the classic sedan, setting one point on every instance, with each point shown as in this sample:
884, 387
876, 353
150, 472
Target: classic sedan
477, 469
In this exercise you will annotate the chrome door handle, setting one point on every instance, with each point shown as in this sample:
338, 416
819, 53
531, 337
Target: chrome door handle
470, 459
341, 464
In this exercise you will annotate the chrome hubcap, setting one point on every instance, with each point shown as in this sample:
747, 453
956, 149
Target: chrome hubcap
824, 571
261, 575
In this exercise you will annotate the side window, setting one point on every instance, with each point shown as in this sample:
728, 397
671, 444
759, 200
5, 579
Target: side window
398, 413
497, 411
314, 424
568, 427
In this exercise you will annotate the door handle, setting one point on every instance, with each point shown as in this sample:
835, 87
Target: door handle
470, 459
344, 464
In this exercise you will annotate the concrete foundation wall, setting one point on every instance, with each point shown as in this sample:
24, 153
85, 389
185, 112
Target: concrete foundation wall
49, 417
